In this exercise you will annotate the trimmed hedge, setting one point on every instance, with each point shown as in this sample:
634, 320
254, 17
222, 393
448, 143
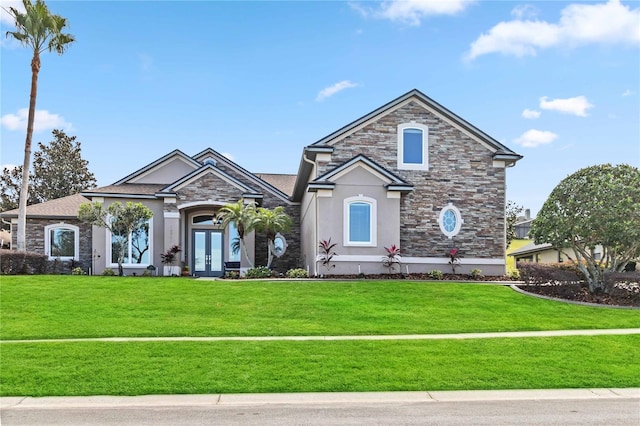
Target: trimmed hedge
22, 263
556, 273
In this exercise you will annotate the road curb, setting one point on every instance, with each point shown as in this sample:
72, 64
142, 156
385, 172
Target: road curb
57, 402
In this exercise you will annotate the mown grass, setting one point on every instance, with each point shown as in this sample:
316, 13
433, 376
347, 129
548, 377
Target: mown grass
34, 307
136, 368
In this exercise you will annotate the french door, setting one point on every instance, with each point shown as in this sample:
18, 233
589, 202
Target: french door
207, 253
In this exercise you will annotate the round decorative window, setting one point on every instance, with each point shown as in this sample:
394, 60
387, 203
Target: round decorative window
450, 220
279, 245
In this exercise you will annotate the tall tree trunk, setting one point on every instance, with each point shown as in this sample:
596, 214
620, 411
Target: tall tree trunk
24, 189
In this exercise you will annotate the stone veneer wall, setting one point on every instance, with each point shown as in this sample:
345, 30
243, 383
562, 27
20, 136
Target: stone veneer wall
460, 171
292, 258
35, 239
211, 187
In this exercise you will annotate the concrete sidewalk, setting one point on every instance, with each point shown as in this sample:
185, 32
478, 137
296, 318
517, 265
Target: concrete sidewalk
311, 398
488, 335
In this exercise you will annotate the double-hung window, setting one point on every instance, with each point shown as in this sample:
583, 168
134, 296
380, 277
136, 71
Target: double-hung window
413, 152
62, 241
360, 221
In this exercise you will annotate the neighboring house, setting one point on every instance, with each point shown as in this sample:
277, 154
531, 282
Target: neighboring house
5, 239
410, 173
545, 253
523, 225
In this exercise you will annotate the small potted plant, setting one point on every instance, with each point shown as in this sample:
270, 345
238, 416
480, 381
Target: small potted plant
185, 271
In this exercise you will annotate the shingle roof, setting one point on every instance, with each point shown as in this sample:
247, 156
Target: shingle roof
531, 248
61, 207
126, 189
283, 182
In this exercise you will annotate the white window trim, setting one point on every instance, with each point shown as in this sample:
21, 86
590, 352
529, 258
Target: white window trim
459, 220
76, 241
129, 264
373, 225
425, 147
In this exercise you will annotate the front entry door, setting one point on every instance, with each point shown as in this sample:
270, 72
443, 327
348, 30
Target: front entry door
207, 253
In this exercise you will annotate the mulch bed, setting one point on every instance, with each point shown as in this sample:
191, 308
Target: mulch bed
627, 296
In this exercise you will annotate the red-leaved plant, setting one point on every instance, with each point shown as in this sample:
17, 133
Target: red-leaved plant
392, 257
326, 253
454, 259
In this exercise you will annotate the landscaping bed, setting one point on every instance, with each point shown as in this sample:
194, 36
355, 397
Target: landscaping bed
620, 295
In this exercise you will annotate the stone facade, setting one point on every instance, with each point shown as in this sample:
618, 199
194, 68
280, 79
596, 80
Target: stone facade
35, 241
460, 171
292, 258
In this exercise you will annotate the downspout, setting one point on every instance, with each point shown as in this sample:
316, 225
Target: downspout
315, 206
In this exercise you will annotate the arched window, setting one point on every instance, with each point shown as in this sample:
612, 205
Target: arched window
413, 147
62, 241
360, 221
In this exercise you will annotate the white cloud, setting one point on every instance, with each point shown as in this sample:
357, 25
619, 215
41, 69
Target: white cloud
5, 17
576, 106
579, 24
627, 92
145, 62
534, 138
332, 90
411, 12
524, 11
530, 113
44, 120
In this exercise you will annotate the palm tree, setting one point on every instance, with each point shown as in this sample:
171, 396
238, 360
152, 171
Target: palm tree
244, 216
271, 222
40, 30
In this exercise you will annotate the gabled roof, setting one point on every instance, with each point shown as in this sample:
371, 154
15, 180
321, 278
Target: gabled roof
324, 145
499, 149
393, 181
60, 208
212, 153
170, 156
206, 169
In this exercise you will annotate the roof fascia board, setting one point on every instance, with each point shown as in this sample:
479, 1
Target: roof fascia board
153, 166
116, 195
372, 166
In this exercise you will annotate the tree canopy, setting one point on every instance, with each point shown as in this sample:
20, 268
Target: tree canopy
598, 206
58, 170
121, 221
512, 210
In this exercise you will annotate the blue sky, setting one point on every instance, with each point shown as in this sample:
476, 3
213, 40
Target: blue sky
556, 81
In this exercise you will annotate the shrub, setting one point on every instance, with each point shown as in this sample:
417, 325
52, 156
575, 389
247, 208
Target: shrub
146, 273
436, 274
476, 274
232, 275
20, 262
555, 273
297, 273
514, 275
108, 272
78, 271
258, 272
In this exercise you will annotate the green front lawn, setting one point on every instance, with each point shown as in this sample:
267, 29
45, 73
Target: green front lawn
75, 306
136, 368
